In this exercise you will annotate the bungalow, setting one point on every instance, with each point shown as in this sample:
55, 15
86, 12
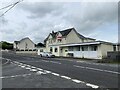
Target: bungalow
69, 43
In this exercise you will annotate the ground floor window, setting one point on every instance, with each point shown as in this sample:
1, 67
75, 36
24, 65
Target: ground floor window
70, 48
56, 49
66, 50
41, 50
51, 49
61, 50
93, 48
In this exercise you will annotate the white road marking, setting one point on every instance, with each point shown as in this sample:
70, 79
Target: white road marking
33, 67
27, 68
66, 77
39, 69
77, 81
96, 69
33, 70
91, 85
78, 66
45, 61
40, 72
55, 62
23, 66
47, 71
23, 75
55, 74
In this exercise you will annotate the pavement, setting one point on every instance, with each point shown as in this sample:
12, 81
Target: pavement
20, 71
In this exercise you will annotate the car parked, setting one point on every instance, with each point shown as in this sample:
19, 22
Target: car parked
46, 54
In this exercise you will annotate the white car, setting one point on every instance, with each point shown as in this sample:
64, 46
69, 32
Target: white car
46, 54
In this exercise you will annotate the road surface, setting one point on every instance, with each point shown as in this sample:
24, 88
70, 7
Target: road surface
22, 71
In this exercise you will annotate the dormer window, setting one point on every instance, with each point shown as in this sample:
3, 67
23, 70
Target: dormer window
59, 38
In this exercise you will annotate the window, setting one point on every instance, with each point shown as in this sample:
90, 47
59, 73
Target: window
66, 50
82, 48
114, 48
51, 49
85, 48
26, 45
82, 40
70, 48
77, 48
41, 50
93, 48
56, 50
59, 40
61, 50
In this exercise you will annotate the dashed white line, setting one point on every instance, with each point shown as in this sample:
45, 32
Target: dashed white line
47, 71
97, 69
55, 74
77, 81
55, 62
23, 75
45, 61
40, 72
33, 70
92, 85
66, 77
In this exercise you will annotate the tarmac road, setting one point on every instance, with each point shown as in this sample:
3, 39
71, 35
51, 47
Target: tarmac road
37, 72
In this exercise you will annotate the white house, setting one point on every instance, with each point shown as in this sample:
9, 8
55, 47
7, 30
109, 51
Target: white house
70, 43
24, 44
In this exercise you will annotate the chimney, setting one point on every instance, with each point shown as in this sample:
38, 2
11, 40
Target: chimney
52, 32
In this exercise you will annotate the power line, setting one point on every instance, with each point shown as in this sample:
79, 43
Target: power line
12, 5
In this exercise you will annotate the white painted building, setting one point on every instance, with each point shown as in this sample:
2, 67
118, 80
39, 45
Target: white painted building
24, 44
70, 43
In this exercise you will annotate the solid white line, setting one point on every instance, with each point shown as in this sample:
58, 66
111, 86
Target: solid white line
91, 85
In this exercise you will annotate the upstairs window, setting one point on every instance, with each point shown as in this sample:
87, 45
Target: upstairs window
59, 40
26, 45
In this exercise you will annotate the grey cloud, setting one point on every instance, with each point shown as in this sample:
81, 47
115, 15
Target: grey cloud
41, 9
89, 16
44, 17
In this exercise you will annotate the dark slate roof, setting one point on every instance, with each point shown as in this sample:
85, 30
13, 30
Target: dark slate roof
65, 33
17, 42
40, 45
81, 36
23, 39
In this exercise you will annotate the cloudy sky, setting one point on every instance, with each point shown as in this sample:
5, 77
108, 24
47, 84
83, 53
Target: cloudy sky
36, 20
